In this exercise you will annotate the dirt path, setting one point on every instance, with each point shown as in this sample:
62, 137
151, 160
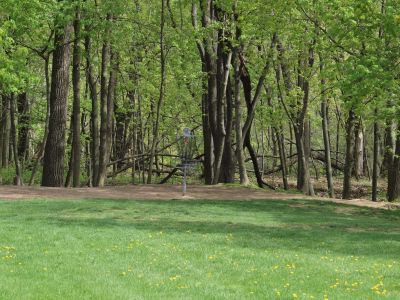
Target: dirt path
166, 192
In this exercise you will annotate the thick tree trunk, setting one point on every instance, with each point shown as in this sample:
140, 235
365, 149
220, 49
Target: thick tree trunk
207, 131
393, 190
228, 164
223, 65
390, 147
53, 168
76, 125
349, 161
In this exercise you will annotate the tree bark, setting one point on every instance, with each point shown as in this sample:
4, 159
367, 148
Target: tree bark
244, 180
76, 125
107, 119
5, 127
375, 167
104, 97
358, 169
23, 128
393, 190
94, 118
282, 155
207, 132
161, 94
349, 161
325, 133
18, 179
46, 125
53, 168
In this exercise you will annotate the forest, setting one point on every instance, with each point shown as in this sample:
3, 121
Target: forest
97, 92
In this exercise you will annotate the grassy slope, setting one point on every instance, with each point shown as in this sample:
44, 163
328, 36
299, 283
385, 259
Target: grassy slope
197, 249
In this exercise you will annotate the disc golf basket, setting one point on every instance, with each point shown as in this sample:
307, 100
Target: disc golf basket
187, 149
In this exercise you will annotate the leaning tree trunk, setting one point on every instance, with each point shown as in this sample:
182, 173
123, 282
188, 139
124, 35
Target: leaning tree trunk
53, 168
349, 162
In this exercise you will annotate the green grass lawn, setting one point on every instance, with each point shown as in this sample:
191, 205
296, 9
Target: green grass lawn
197, 250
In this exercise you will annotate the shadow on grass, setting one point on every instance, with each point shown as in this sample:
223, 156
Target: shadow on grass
289, 225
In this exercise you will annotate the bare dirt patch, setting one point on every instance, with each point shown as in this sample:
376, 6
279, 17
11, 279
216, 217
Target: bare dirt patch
168, 192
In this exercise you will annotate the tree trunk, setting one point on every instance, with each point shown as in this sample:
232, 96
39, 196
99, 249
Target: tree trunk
244, 180
393, 190
358, 169
207, 131
103, 147
18, 179
390, 147
349, 161
304, 178
108, 118
76, 125
5, 127
53, 168
282, 155
94, 118
161, 95
228, 164
120, 134
325, 133
23, 128
46, 125
68, 179
375, 167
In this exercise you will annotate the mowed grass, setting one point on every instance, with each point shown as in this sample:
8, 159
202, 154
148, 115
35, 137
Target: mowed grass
197, 250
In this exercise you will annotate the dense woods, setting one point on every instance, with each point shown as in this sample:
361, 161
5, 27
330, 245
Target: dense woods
94, 90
